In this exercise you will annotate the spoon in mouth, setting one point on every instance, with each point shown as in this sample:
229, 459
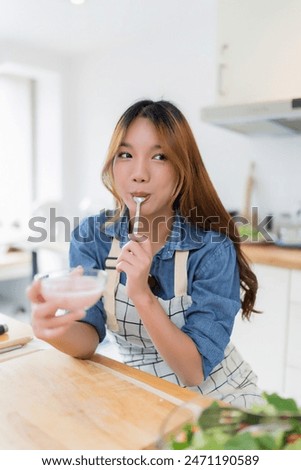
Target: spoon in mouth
138, 200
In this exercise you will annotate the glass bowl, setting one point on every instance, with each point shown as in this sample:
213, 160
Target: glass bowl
73, 289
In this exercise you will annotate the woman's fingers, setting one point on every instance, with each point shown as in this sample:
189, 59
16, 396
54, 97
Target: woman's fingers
141, 249
34, 292
135, 260
137, 238
78, 271
48, 323
136, 255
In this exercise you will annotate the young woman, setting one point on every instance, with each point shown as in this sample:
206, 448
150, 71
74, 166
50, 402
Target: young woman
173, 292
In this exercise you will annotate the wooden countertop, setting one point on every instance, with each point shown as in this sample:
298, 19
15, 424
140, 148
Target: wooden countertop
14, 342
273, 255
53, 401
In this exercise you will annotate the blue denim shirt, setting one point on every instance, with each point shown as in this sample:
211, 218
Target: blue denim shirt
213, 278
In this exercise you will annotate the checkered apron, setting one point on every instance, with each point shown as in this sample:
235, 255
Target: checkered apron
232, 380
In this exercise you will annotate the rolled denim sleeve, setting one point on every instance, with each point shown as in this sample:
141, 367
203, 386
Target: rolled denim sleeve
83, 252
215, 293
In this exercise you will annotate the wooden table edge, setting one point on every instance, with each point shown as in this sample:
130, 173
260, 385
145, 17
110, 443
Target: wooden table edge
181, 393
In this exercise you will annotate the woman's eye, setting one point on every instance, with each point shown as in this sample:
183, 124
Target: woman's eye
124, 155
160, 156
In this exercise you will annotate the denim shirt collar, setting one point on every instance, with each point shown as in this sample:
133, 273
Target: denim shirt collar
183, 235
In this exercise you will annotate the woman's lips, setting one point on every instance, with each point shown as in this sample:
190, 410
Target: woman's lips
141, 194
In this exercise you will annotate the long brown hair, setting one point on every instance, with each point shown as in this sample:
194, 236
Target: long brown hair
195, 196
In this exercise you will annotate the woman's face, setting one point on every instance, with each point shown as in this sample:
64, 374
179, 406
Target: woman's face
141, 169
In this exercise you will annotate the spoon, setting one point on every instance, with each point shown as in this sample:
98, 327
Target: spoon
138, 200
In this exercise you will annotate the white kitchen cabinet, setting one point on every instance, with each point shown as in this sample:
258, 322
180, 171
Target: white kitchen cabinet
293, 383
293, 372
262, 341
258, 45
270, 342
295, 295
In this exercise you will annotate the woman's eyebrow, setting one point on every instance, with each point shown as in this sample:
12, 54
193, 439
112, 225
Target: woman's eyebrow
127, 145
156, 147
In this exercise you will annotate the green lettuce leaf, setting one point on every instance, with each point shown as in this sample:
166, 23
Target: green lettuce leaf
282, 405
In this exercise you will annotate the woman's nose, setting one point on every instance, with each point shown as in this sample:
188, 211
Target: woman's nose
140, 172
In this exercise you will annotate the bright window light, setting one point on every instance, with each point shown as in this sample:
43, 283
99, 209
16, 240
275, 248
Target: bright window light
16, 185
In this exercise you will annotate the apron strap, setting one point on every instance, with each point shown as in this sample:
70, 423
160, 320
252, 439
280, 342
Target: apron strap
180, 280
112, 282
180, 273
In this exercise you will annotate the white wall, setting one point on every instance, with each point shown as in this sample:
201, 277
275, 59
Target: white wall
178, 65
177, 62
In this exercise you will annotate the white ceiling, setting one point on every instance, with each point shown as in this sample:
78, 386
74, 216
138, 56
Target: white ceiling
62, 27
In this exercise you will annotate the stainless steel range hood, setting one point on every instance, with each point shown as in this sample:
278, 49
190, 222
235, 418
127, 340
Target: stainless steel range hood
281, 117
